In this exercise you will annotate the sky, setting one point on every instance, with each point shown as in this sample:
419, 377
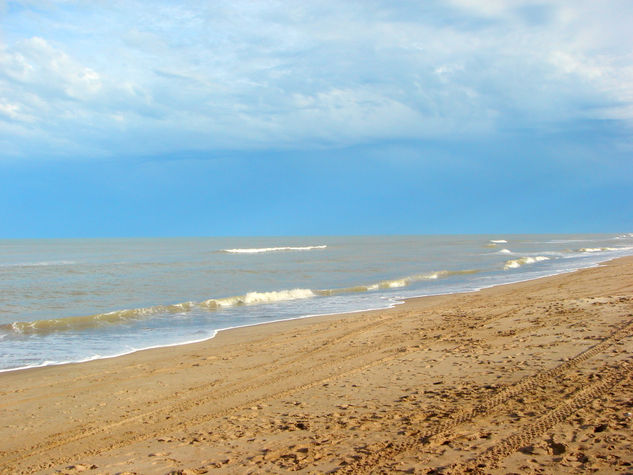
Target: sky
160, 118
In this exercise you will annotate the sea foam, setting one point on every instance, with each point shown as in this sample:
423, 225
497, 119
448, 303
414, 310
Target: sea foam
253, 298
39, 264
516, 263
259, 250
596, 249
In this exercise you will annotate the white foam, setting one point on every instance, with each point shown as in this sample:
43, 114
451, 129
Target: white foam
39, 264
504, 251
252, 298
516, 263
498, 241
405, 281
273, 249
597, 249
394, 284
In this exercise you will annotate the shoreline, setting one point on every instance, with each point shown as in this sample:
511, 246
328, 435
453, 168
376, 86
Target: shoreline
216, 332
352, 392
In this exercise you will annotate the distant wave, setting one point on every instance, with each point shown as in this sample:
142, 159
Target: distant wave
39, 264
273, 249
516, 263
566, 241
494, 242
504, 251
596, 249
250, 298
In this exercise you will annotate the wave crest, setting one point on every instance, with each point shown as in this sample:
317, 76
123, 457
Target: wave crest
391, 284
93, 321
516, 263
395, 283
597, 249
273, 249
39, 264
250, 298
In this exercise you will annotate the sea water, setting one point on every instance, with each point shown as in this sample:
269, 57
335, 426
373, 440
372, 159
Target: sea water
73, 300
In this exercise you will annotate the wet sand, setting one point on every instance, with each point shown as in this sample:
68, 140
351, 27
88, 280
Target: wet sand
532, 377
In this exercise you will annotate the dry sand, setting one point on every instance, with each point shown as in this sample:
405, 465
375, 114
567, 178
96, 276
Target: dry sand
525, 378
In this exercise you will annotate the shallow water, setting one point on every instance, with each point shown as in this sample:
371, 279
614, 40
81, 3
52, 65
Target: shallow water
79, 299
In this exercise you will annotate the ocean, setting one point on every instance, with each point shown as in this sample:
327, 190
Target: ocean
71, 300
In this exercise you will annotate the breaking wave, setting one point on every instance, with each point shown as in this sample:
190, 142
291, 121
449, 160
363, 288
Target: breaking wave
597, 249
273, 249
395, 283
251, 298
498, 241
391, 284
516, 263
93, 321
39, 264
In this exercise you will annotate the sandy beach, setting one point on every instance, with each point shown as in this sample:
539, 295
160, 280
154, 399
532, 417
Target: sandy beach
533, 377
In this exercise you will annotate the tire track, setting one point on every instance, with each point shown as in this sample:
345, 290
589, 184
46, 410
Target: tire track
609, 377
392, 450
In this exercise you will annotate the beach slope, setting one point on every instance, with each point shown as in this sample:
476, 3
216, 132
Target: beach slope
534, 376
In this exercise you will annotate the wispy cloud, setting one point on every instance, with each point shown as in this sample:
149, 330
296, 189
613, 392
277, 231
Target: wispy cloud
114, 78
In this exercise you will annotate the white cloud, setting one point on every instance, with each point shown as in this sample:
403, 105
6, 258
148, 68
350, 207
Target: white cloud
34, 64
490, 8
10, 110
106, 77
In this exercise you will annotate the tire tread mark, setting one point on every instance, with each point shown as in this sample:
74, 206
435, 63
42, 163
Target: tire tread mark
492, 456
390, 450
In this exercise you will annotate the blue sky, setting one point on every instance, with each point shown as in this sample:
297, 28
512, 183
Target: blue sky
268, 118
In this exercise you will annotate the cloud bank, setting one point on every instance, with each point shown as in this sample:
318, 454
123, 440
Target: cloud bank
85, 79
